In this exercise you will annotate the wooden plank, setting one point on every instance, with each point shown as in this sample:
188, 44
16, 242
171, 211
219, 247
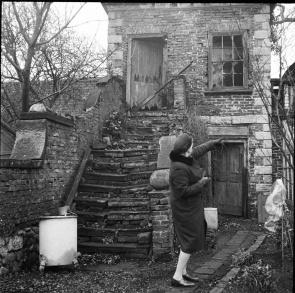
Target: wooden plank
73, 191
129, 62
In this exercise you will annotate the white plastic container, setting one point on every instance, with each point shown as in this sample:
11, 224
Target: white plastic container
58, 240
211, 217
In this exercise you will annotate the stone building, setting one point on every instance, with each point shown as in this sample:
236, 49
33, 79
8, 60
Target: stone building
229, 47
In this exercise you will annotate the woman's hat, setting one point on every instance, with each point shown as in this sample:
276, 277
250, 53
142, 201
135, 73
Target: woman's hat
182, 143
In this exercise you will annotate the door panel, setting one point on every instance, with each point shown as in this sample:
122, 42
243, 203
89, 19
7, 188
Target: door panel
227, 167
146, 75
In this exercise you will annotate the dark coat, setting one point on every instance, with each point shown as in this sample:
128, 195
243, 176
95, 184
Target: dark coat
186, 198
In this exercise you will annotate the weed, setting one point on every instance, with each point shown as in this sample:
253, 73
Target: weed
259, 278
241, 258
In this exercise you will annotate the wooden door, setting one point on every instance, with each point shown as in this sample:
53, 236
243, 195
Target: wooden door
227, 179
146, 74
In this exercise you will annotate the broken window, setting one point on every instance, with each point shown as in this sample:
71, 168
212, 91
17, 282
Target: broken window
227, 61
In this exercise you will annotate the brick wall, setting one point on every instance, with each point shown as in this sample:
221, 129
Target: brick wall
27, 193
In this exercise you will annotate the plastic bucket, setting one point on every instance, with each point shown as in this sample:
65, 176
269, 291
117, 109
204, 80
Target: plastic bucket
211, 217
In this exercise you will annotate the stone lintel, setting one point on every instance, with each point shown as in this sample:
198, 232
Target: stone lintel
241, 131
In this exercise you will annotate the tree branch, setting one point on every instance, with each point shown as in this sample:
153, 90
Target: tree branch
62, 28
282, 16
22, 30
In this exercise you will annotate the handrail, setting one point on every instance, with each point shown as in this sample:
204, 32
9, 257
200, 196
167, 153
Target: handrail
73, 191
147, 99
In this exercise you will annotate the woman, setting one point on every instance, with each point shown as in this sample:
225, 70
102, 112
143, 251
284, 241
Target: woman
186, 182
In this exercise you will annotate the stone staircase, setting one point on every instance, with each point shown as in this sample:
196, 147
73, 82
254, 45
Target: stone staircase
113, 204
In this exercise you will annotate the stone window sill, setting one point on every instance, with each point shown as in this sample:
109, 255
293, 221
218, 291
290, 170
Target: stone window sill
229, 92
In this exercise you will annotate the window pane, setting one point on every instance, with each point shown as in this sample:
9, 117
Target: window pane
227, 42
238, 79
238, 67
227, 54
227, 67
216, 75
217, 41
216, 54
238, 41
228, 80
238, 53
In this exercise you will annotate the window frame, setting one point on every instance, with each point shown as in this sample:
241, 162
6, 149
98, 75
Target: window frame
245, 63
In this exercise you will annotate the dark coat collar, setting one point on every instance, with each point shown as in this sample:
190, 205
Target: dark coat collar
176, 157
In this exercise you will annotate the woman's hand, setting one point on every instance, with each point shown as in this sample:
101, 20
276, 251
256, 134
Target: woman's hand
218, 141
204, 180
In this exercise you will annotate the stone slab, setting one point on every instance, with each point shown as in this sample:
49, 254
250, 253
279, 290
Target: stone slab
228, 131
30, 142
166, 146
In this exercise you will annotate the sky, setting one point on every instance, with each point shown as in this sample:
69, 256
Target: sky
93, 22
288, 45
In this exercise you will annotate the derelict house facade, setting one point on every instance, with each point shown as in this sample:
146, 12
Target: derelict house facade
154, 42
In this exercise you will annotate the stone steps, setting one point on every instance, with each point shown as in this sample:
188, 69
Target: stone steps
113, 204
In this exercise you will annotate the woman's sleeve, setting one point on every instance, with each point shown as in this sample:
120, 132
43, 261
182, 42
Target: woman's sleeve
180, 181
202, 149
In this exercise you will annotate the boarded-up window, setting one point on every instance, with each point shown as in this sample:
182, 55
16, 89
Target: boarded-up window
227, 61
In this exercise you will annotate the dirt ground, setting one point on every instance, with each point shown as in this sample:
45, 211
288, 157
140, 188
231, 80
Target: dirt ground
104, 273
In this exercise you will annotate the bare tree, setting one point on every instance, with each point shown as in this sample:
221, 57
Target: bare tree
25, 30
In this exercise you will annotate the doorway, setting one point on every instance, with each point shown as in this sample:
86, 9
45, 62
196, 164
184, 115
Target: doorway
146, 71
229, 184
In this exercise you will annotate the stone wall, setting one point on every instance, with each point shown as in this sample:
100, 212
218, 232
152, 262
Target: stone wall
28, 190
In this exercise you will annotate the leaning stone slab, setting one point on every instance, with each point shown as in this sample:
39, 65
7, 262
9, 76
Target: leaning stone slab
30, 142
166, 146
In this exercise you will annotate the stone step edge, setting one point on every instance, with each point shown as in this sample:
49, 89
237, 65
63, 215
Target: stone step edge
117, 176
88, 185
111, 199
112, 247
113, 212
140, 230
221, 285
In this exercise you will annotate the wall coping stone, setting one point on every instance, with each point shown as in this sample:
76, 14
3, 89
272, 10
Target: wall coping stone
47, 115
23, 164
